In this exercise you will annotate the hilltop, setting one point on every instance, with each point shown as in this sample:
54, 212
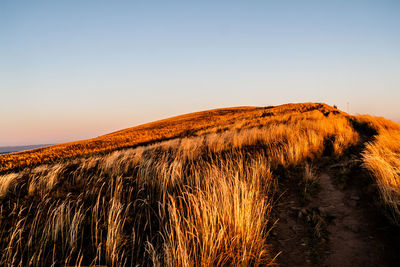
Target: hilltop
181, 126
292, 185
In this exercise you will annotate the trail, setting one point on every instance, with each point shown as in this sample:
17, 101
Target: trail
354, 232
347, 239
354, 235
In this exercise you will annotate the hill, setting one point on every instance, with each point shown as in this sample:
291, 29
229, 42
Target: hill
180, 126
295, 185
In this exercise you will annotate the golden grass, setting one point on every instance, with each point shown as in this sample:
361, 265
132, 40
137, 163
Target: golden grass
223, 223
202, 200
382, 158
190, 124
6, 182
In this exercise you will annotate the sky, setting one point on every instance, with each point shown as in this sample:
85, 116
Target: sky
72, 70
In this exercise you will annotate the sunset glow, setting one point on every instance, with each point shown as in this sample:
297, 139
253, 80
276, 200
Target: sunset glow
72, 70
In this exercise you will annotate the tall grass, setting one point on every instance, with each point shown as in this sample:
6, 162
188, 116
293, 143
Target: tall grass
223, 221
382, 158
198, 200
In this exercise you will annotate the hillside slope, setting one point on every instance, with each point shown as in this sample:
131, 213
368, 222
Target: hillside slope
180, 126
249, 186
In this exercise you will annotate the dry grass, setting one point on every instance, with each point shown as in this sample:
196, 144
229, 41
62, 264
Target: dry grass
190, 124
223, 221
200, 200
310, 182
382, 158
6, 182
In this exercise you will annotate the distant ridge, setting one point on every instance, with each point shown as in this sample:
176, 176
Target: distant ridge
12, 149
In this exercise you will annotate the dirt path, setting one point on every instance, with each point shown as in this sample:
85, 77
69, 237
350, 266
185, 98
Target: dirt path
354, 239
337, 228
347, 239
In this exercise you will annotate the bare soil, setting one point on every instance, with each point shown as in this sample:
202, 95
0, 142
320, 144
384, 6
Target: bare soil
340, 226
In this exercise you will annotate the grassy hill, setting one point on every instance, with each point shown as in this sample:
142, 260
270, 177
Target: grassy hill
181, 126
205, 188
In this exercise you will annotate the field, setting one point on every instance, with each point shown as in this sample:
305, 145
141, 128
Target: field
201, 189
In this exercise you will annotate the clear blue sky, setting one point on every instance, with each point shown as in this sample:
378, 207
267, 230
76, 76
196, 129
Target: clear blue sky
78, 69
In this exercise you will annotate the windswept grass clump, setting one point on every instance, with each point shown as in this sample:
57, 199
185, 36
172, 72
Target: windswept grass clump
222, 221
202, 199
382, 158
310, 182
6, 183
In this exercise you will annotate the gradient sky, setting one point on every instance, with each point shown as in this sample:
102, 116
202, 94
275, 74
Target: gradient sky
78, 69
